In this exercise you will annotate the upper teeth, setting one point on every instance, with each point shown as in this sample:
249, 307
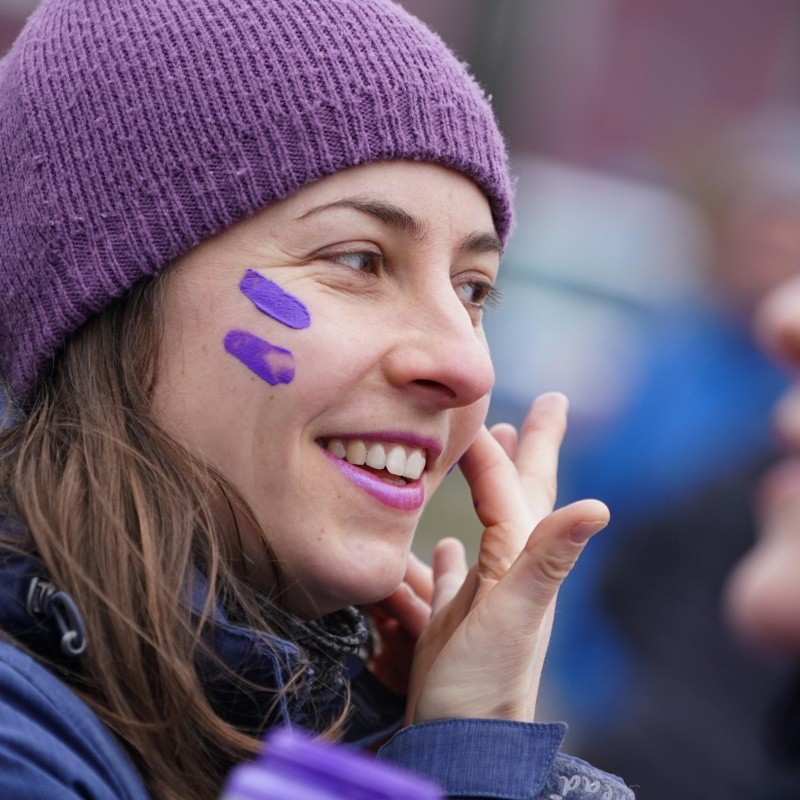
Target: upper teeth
394, 458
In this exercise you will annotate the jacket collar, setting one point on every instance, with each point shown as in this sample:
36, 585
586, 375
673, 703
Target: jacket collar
242, 658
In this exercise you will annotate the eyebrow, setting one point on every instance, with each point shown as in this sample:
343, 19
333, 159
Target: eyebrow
477, 243
409, 225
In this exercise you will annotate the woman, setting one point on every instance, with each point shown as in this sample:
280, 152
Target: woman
246, 248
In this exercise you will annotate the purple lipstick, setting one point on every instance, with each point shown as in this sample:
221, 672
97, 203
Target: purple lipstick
408, 497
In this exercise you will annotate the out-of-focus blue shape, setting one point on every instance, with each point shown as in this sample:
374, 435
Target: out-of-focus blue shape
592, 258
607, 301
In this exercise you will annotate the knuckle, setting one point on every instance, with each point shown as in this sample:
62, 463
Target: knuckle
554, 567
494, 565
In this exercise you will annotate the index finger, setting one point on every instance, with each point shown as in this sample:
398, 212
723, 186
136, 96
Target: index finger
537, 453
499, 503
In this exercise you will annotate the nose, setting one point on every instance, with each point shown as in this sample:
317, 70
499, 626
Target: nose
777, 322
439, 355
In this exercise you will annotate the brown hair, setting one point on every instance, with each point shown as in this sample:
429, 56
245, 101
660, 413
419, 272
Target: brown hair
120, 516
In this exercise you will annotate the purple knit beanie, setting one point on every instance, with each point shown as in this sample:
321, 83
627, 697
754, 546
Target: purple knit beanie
131, 130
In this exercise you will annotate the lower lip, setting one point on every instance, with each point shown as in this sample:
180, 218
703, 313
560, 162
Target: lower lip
404, 498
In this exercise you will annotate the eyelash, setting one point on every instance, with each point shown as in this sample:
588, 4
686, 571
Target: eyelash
489, 297
375, 260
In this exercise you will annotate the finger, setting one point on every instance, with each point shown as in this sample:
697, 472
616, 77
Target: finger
495, 487
419, 576
499, 503
505, 631
506, 436
762, 595
449, 571
382, 622
522, 597
537, 451
779, 487
408, 608
378, 617
786, 418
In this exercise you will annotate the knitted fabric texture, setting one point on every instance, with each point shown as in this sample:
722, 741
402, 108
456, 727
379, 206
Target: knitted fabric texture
133, 129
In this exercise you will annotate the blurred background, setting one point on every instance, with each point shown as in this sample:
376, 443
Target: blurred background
656, 145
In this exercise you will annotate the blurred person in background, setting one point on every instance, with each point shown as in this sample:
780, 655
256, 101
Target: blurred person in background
762, 596
697, 696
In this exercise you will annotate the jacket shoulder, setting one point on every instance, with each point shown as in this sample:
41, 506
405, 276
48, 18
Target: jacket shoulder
51, 743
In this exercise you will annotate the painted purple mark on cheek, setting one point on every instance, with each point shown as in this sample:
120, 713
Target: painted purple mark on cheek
268, 297
271, 363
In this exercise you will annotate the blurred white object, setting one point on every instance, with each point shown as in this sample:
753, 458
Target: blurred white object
634, 240
592, 256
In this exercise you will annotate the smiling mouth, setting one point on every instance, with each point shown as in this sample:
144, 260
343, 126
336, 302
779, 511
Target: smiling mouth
394, 463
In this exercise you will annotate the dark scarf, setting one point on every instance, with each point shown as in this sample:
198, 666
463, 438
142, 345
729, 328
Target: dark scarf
322, 651
327, 643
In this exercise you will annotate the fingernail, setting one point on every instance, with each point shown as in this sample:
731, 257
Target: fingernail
551, 400
584, 531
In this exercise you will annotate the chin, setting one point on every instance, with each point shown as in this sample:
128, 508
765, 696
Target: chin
369, 584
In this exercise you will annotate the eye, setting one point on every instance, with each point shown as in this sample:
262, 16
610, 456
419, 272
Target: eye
367, 261
479, 295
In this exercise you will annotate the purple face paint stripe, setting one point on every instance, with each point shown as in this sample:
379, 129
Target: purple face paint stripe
271, 363
268, 297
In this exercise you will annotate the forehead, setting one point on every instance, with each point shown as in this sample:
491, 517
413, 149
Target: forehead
431, 196
424, 203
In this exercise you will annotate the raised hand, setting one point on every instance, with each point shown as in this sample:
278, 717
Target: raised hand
482, 653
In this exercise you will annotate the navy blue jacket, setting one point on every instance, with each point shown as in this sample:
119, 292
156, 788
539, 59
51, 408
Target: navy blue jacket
53, 746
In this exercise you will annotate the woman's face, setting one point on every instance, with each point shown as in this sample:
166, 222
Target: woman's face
340, 324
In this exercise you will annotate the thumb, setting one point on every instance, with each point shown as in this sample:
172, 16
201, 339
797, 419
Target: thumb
548, 557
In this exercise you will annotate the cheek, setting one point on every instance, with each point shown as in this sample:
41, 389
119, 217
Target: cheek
274, 301
270, 362
476, 414
468, 422
318, 357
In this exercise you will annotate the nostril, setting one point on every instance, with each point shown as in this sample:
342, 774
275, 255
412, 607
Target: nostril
436, 386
